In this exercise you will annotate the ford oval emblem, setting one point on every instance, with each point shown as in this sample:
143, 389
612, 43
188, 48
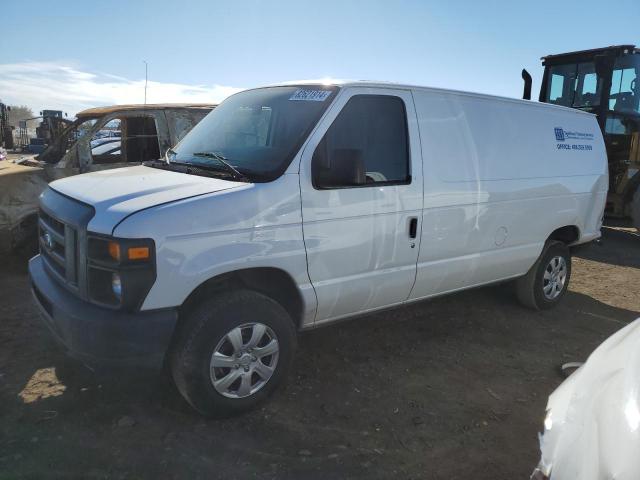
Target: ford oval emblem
48, 240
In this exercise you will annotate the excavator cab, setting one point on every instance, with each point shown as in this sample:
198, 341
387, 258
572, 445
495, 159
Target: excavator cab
604, 82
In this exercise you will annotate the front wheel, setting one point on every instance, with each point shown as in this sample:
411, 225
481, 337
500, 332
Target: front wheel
547, 281
232, 352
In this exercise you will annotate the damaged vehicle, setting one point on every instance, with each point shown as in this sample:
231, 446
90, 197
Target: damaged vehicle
100, 138
592, 427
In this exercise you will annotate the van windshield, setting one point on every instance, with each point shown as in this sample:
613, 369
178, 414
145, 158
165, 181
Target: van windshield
257, 132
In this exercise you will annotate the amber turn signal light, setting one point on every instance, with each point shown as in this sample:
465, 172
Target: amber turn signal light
132, 253
114, 251
138, 253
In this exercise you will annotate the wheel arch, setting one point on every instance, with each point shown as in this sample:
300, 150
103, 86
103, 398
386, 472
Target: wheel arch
567, 234
270, 281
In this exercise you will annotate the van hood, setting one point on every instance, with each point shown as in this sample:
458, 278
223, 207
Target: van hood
116, 194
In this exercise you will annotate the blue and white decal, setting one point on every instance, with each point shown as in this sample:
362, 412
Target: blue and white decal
564, 137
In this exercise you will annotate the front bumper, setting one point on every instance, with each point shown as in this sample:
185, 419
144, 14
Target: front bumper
98, 335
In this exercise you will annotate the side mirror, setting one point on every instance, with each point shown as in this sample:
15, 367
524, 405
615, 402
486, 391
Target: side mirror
341, 167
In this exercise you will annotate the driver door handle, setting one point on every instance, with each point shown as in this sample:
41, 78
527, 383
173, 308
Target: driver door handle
413, 227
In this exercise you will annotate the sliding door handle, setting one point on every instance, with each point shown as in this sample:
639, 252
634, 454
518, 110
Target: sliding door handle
413, 227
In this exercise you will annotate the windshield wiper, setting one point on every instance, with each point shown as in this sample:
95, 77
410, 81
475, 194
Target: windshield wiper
224, 162
189, 168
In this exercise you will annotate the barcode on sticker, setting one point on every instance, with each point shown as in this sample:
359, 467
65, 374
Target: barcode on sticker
310, 95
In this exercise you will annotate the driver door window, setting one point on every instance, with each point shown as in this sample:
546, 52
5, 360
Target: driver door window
367, 145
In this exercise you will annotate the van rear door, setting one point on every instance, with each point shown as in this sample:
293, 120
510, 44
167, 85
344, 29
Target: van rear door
361, 184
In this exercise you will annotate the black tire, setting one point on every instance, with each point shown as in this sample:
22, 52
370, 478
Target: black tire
208, 324
531, 287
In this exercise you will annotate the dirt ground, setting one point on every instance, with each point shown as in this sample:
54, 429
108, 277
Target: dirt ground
454, 388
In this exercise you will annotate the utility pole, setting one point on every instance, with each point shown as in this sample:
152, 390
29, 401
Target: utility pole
145, 80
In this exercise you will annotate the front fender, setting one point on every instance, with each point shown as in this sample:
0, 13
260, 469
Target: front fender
199, 238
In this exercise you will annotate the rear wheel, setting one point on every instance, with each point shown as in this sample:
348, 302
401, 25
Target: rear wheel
232, 352
547, 281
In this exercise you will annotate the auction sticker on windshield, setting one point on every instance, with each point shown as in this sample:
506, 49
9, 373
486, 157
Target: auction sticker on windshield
310, 95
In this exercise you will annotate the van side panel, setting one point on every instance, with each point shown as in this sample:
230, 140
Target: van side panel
497, 183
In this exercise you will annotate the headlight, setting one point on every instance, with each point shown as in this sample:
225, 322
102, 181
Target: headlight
120, 271
116, 285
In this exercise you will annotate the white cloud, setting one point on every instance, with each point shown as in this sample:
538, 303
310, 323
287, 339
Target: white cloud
59, 86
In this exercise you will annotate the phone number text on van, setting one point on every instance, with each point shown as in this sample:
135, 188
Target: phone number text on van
564, 146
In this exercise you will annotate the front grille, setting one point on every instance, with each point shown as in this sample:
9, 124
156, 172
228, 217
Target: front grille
62, 227
58, 246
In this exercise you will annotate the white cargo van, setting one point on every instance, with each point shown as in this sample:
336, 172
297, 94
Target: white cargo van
293, 206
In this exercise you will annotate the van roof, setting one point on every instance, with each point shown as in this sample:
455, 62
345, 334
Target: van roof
401, 86
99, 111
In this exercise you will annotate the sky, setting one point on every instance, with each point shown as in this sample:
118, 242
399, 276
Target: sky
72, 55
